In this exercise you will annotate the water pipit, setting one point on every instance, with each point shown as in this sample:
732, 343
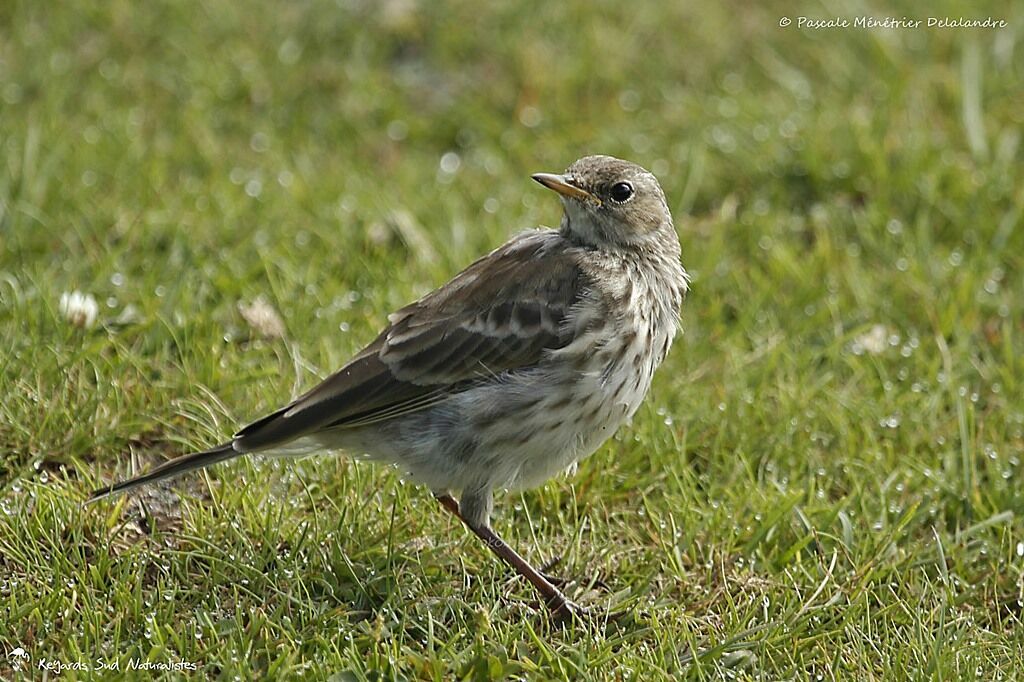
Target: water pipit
520, 366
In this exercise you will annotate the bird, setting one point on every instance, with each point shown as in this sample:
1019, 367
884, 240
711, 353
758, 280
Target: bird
520, 366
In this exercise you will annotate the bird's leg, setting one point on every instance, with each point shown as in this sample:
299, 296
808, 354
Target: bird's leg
557, 603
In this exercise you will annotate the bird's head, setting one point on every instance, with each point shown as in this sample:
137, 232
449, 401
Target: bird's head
611, 203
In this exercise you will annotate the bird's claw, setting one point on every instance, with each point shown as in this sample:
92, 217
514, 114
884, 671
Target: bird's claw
569, 611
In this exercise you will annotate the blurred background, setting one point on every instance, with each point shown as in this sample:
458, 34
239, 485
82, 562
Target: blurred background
849, 202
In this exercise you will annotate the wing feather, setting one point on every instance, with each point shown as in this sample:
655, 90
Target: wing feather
499, 314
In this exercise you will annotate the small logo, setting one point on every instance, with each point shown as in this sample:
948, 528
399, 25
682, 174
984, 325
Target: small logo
18, 657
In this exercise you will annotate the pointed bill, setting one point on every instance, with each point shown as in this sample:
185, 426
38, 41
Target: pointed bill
563, 186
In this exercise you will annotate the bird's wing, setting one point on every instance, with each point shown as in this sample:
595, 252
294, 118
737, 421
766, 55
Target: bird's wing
501, 313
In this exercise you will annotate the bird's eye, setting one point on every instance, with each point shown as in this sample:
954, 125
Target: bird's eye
621, 191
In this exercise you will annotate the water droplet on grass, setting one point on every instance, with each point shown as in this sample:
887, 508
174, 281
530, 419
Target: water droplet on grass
890, 422
259, 142
450, 163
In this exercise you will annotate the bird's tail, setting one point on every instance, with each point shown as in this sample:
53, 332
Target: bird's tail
176, 467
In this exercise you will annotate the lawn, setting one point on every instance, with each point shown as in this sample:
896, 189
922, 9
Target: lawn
823, 483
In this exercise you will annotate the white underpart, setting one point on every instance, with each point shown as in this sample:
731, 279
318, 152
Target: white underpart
608, 394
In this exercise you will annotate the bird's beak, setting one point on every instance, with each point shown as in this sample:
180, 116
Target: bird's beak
561, 184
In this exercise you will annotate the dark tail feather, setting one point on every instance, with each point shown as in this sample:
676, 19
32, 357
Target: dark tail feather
175, 467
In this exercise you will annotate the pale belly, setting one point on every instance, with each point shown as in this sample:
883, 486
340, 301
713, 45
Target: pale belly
580, 414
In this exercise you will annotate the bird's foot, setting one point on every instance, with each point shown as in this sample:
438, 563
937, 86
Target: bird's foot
571, 612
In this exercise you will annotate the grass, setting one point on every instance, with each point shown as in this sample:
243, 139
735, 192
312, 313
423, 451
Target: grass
824, 482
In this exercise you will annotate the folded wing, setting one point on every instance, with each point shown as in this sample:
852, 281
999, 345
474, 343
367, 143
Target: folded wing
501, 313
